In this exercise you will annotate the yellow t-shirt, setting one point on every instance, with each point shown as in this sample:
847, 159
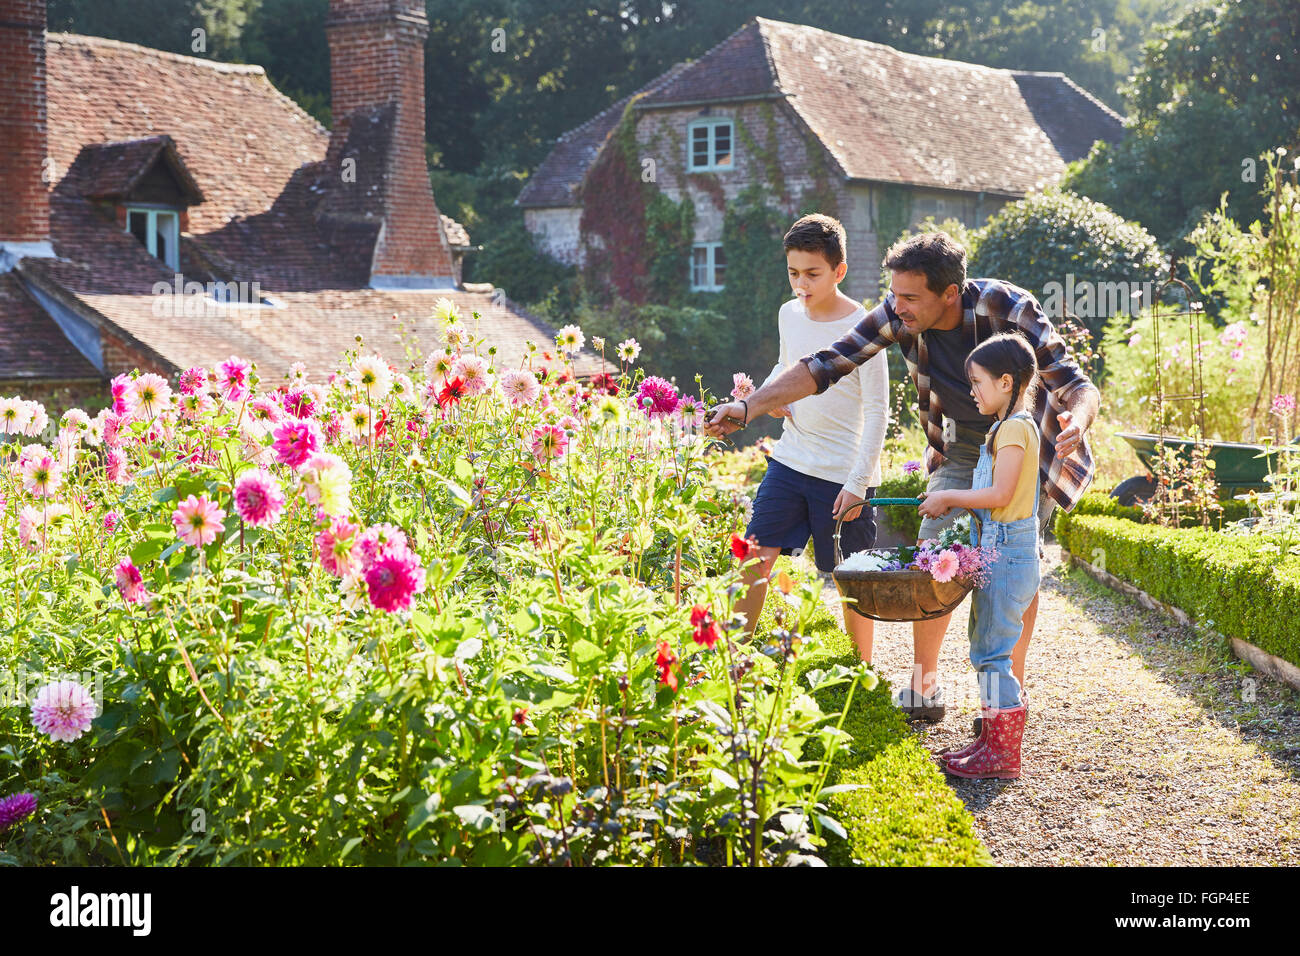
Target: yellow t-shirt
1024, 433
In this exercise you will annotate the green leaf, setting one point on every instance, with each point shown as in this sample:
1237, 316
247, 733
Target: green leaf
830, 823
724, 779
477, 818
584, 652
555, 673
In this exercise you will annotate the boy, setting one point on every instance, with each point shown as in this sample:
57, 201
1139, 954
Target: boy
828, 456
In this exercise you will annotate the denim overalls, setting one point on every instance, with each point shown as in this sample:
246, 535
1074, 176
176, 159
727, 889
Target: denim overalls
996, 609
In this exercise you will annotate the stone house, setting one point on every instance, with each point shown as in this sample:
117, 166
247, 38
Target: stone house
879, 138
160, 211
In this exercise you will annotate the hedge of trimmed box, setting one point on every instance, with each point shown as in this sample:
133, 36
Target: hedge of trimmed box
1223, 581
1100, 503
905, 813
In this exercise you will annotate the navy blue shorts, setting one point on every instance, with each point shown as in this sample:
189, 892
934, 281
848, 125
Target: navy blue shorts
792, 507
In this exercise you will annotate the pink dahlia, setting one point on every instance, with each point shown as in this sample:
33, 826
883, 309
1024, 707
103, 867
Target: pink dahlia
115, 469
375, 539
520, 386
689, 412
63, 710
110, 521
259, 498
295, 441
232, 376
198, 521
944, 566
130, 583
299, 403
911, 467
336, 545
549, 441
16, 808
148, 395
742, 385
113, 423
656, 397
1284, 405
192, 380
473, 371
42, 475
118, 388
394, 578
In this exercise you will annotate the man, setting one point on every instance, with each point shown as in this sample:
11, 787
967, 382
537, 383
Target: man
936, 316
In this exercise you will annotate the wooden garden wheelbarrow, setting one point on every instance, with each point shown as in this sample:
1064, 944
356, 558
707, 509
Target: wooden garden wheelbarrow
897, 595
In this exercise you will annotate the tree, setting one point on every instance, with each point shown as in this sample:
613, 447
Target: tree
1215, 90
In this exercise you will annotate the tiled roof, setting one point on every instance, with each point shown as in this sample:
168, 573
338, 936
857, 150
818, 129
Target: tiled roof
883, 115
269, 216
556, 180
315, 328
32, 347
897, 117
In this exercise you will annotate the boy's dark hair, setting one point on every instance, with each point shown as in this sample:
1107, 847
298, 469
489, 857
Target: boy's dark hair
820, 234
937, 254
1008, 353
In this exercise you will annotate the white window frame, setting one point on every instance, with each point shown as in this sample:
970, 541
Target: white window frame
711, 267
151, 231
711, 123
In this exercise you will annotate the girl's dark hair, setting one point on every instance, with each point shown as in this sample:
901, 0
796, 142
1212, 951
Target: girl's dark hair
1008, 353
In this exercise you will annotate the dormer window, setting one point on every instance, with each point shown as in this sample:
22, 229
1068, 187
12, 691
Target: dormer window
159, 230
144, 186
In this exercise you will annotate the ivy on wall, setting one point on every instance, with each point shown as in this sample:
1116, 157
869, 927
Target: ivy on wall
636, 241
893, 212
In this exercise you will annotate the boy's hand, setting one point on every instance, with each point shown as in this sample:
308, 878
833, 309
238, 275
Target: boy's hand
934, 504
781, 412
724, 420
844, 503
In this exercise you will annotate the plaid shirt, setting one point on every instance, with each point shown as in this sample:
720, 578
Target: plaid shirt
989, 306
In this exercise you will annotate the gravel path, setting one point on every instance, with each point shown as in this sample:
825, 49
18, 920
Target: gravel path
1143, 745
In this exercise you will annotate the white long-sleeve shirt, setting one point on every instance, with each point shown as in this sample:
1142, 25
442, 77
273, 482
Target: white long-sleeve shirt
839, 434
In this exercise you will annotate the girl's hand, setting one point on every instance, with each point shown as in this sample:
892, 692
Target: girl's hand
934, 505
781, 411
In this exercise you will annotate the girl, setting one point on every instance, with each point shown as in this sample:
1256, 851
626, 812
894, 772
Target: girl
1003, 372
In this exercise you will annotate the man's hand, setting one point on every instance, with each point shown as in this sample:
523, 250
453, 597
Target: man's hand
724, 420
781, 412
1071, 435
844, 503
934, 504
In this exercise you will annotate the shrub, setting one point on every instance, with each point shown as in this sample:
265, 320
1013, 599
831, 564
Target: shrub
1226, 581
1041, 240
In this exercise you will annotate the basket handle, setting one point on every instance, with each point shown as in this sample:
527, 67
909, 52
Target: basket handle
912, 502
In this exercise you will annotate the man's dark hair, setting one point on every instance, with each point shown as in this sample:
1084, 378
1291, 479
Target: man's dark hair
820, 234
936, 254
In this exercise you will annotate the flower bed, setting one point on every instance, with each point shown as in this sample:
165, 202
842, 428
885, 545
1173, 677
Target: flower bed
424, 612
1227, 581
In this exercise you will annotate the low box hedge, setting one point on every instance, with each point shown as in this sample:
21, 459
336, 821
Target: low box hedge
1223, 581
1100, 503
905, 813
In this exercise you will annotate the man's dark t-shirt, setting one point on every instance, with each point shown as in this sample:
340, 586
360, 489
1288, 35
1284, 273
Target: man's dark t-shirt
948, 352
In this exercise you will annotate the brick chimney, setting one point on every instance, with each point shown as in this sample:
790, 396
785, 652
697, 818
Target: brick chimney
24, 197
377, 98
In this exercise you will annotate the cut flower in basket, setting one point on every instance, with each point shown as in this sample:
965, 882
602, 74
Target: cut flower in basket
947, 557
